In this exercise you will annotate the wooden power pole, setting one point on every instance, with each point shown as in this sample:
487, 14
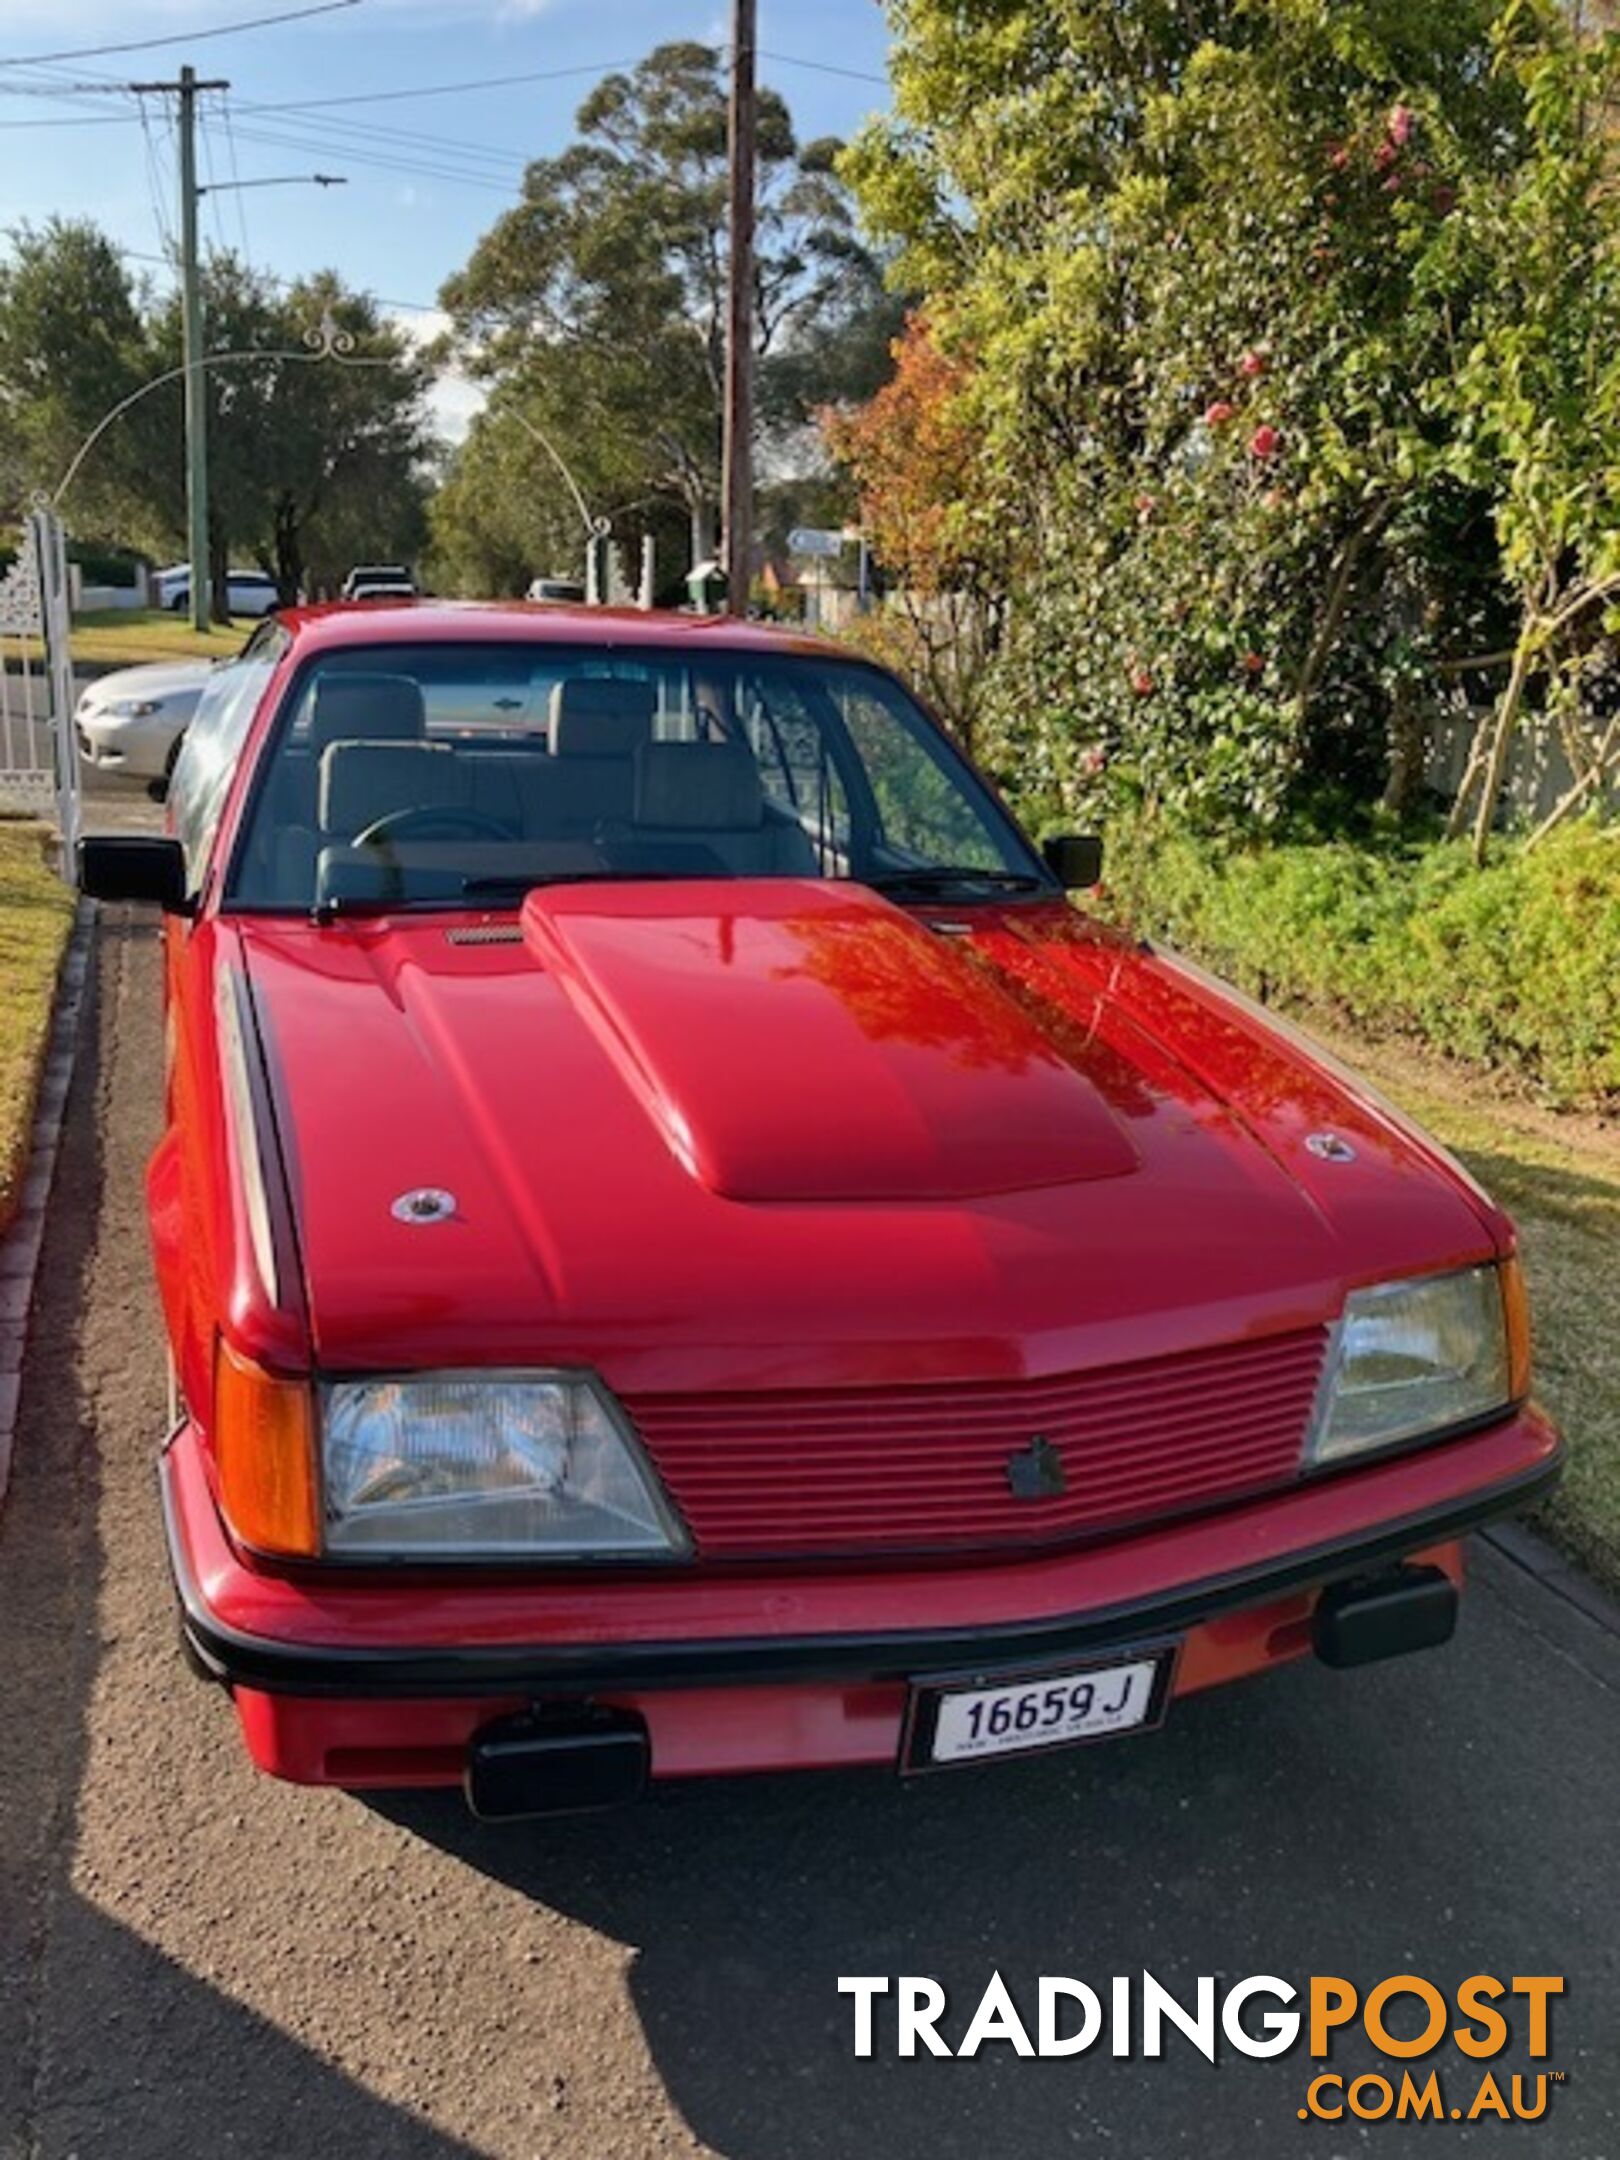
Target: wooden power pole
738, 484
186, 90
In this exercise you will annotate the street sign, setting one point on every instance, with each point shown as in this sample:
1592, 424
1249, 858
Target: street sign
811, 540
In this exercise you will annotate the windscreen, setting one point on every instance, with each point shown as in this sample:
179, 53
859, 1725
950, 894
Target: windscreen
464, 774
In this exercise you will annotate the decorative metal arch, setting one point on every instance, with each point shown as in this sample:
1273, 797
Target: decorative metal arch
326, 341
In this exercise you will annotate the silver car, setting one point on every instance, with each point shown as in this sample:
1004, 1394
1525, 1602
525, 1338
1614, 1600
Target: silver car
132, 721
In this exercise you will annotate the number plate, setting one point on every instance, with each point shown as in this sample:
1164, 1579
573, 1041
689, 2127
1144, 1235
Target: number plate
972, 1720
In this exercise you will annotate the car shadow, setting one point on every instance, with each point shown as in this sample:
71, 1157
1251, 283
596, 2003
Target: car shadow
108, 2047
1256, 1834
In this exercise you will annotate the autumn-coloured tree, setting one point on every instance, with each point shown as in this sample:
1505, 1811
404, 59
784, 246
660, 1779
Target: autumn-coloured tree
913, 456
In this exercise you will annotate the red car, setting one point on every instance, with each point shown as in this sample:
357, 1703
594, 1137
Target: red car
683, 1252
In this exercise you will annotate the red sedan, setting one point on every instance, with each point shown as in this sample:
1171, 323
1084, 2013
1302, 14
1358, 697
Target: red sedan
683, 1252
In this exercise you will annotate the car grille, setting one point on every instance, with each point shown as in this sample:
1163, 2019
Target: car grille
926, 1468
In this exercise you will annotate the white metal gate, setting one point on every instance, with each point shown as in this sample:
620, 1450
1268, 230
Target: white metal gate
39, 763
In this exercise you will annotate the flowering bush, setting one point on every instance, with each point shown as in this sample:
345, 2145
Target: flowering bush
1211, 280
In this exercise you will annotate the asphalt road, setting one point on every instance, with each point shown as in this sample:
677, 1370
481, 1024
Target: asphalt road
196, 1961
108, 801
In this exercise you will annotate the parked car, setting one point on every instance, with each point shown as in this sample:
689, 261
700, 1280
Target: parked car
250, 592
683, 1252
560, 591
132, 721
388, 575
383, 589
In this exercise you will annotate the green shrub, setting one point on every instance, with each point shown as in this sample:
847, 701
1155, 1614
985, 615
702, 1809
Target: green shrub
106, 566
1515, 967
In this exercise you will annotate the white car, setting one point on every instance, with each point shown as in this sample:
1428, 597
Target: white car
250, 592
132, 721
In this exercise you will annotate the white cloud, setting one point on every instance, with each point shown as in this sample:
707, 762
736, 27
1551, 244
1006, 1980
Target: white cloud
454, 399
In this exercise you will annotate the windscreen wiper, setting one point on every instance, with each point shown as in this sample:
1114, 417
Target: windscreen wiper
950, 877
357, 904
516, 887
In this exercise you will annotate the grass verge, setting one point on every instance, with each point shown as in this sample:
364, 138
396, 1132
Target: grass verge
36, 913
125, 638
128, 637
1514, 968
1559, 1177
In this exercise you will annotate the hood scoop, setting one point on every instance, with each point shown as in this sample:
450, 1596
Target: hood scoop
797, 1040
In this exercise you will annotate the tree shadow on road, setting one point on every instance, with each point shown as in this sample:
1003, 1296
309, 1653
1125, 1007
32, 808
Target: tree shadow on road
107, 2046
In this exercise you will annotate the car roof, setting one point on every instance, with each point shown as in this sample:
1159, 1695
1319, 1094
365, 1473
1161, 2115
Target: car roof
337, 625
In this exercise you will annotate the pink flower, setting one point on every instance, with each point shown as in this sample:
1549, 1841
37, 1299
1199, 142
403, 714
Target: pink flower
1392, 183
1265, 442
1145, 506
1253, 663
1400, 124
1253, 363
1142, 682
1338, 157
1094, 760
1384, 156
1219, 413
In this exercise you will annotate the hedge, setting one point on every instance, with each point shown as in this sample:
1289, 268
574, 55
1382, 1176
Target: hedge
1515, 967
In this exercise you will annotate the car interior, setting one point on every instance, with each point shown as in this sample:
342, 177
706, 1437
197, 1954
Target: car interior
364, 801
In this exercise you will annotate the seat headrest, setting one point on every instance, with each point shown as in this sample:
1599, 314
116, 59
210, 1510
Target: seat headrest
366, 708
363, 781
600, 716
697, 787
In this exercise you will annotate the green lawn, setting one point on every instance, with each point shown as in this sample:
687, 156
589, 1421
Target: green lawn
36, 912
124, 637
1560, 1179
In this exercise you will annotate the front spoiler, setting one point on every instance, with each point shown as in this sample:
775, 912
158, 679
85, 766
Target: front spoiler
366, 1670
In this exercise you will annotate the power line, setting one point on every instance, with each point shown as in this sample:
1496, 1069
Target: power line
330, 133
404, 307
182, 37
483, 82
154, 181
289, 107
100, 120
410, 168
823, 67
365, 132
211, 189
57, 89
241, 211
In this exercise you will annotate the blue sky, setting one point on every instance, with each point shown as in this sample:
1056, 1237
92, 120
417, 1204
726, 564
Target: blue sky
397, 232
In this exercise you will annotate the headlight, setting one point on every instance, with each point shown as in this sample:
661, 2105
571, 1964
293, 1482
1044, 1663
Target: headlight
488, 1466
1420, 1356
134, 708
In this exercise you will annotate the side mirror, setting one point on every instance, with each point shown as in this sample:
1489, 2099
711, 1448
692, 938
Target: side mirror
130, 868
1075, 860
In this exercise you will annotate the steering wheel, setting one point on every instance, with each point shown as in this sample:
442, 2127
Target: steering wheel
428, 821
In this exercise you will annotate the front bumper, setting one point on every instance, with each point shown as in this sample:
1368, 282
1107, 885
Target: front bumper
384, 1681
119, 743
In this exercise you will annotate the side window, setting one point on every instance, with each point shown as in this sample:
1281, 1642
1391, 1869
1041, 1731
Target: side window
925, 814
796, 769
202, 773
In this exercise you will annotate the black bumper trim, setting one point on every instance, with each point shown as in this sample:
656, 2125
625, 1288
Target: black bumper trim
549, 1670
